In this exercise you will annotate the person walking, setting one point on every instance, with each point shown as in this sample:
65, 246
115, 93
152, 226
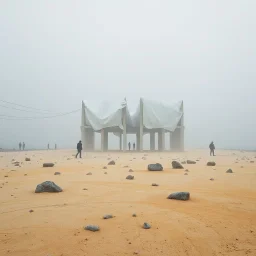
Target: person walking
129, 146
55, 146
212, 148
20, 145
134, 146
48, 146
23, 146
79, 149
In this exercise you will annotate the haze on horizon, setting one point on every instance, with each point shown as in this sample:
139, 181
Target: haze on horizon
54, 54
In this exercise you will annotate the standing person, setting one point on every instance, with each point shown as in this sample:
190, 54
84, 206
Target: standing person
212, 148
134, 146
20, 145
23, 146
48, 146
129, 146
55, 146
79, 149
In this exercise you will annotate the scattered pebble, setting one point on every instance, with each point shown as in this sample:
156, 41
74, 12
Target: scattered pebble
146, 225
229, 171
93, 228
134, 215
57, 173
130, 177
31, 211
107, 216
155, 185
179, 196
89, 173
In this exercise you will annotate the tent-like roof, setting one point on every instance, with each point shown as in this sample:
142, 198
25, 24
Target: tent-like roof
156, 114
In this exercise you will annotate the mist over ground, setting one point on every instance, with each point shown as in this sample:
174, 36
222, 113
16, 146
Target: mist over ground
56, 54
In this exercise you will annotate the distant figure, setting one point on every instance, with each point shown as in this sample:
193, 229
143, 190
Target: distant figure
212, 148
134, 146
129, 146
55, 146
48, 146
20, 145
23, 146
79, 149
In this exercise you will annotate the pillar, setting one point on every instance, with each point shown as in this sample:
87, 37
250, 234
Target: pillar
152, 141
170, 141
89, 139
161, 140
124, 130
120, 141
104, 140
140, 144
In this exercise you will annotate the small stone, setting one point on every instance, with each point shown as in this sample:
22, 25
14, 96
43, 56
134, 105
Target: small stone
93, 228
112, 162
155, 185
191, 162
146, 225
6, 176
107, 216
134, 215
85, 189
57, 173
130, 177
229, 171
183, 162
105, 167
27, 159
31, 211
126, 166
89, 173
185, 173
186, 170
179, 196
211, 164
48, 164
155, 167
105, 173
212, 179
130, 170
176, 165
48, 186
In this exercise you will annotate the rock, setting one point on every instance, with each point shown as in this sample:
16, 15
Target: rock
229, 171
6, 176
89, 173
155, 167
126, 166
146, 225
93, 228
186, 170
251, 162
211, 164
105, 173
191, 162
176, 165
107, 216
183, 162
57, 173
112, 162
105, 167
179, 196
48, 164
185, 173
31, 211
27, 159
155, 185
48, 186
130, 170
85, 189
16, 164
130, 177
211, 179
134, 215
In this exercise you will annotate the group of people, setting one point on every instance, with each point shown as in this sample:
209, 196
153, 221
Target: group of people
80, 148
22, 146
48, 146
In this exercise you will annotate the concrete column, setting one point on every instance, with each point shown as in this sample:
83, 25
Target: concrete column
104, 140
120, 141
138, 141
83, 124
141, 127
170, 141
152, 141
182, 128
161, 140
124, 130
89, 139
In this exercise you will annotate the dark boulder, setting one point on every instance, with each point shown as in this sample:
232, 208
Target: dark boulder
211, 164
48, 164
57, 173
27, 159
155, 167
191, 162
146, 225
130, 177
176, 165
93, 228
112, 162
155, 185
47, 186
179, 196
107, 216
229, 171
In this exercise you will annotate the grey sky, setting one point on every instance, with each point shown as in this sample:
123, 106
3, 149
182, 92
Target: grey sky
54, 54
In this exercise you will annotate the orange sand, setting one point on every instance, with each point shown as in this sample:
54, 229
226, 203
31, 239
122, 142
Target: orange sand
220, 218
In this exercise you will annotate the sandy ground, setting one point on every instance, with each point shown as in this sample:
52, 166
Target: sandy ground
219, 219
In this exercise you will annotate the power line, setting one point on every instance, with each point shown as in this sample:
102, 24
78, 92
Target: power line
17, 118
23, 110
11, 103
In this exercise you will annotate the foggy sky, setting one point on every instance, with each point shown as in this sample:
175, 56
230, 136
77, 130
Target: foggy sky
54, 54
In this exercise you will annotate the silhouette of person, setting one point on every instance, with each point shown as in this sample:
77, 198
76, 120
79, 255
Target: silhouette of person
212, 148
20, 145
79, 149
129, 146
134, 146
23, 146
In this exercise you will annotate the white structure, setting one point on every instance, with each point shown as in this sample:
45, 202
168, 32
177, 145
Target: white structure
150, 117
